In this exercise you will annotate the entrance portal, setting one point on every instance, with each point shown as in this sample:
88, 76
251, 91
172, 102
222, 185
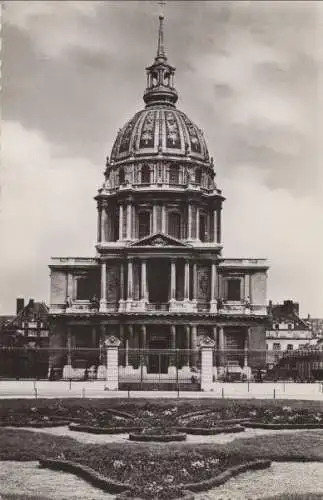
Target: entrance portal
158, 359
158, 281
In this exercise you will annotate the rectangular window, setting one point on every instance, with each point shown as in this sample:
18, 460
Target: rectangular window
234, 289
289, 347
276, 346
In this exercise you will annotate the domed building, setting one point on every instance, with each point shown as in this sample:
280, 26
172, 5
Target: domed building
158, 282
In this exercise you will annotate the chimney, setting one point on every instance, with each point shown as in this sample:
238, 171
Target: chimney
31, 304
20, 305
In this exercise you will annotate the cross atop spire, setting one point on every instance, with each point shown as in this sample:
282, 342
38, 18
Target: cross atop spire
160, 75
160, 48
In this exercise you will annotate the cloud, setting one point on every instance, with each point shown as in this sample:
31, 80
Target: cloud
273, 223
47, 209
250, 74
55, 26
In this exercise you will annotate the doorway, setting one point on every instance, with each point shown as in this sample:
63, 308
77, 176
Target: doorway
158, 359
158, 281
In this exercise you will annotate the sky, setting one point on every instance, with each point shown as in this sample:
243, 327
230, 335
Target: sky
250, 74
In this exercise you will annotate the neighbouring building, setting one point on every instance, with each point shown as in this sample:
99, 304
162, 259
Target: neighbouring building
316, 325
25, 341
286, 332
159, 280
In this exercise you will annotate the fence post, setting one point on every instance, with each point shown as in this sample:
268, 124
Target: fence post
112, 378
207, 346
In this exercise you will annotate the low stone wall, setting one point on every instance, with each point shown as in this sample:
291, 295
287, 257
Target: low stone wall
261, 425
162, 438
228, 474
210, 431
103, 430
187, 495
37, 425
85, 473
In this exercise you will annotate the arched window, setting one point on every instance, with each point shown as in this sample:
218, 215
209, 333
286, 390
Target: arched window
173, 174
203, 227
174, 225
122, 177
198, 176
155, 79
145, 174
144, 224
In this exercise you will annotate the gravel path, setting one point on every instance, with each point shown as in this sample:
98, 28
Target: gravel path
280, 478
27, 478
88, 438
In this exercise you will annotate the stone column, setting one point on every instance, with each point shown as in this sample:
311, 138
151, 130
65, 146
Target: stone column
94, 337
187, 345
130, 283
221, 351
218, 226
69, 346
172, 366
154, 218
215, 352
194, 345
143, 280
173, 337
163, 219
215, 227
189, 222
120, 222
104, 220
207, 346
194, 281
246, 369
197, 223
103, 301
129, 221
112, 377
99, 222
143, 337
122, 289
213, 304
173, 280
187, 281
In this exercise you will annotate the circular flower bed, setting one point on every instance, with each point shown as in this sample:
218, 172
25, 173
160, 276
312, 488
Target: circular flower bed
158, 434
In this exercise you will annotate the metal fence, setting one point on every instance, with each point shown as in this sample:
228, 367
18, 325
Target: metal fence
151, 368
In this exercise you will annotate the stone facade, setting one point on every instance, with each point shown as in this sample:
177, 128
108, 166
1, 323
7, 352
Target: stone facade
159, 280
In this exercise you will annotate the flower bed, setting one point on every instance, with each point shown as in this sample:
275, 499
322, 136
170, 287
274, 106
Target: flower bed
86, 473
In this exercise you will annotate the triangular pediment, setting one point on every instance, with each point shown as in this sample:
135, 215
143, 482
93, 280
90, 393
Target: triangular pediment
159, 240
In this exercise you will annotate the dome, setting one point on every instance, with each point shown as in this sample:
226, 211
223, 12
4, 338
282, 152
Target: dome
160, 129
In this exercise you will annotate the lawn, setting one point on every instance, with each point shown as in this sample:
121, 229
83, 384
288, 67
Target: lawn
150, 466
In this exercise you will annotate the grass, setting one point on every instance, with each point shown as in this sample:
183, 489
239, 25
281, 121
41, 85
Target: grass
144, 463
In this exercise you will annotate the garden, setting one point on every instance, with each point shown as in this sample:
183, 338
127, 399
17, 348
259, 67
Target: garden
153, 470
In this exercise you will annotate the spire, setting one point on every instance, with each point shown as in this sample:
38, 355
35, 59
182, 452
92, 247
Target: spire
160, 48
160, 75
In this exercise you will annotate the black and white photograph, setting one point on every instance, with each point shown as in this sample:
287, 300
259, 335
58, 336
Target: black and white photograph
161, 250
